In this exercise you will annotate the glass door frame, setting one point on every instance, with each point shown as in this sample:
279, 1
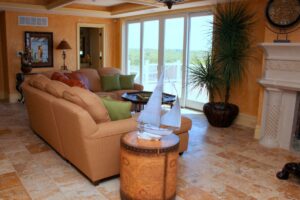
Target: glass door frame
188, 103
161, 43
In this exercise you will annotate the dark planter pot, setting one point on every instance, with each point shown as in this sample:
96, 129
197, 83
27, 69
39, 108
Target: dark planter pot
220, 114
26, 69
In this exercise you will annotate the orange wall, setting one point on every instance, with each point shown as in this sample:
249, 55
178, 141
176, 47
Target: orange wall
246, 95
63, 27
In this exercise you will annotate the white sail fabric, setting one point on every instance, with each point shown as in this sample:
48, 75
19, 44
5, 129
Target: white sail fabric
173, 117
152, 111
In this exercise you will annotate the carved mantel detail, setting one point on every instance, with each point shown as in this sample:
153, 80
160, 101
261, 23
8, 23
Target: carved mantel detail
282, 85
283, 65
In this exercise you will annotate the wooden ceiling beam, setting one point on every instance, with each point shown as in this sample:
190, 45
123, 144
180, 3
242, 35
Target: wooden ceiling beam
152, 3
58, 4
128, 7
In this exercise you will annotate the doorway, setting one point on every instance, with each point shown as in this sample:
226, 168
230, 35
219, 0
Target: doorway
91, 46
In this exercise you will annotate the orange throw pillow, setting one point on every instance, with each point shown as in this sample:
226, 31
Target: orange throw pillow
80, 77
63, 78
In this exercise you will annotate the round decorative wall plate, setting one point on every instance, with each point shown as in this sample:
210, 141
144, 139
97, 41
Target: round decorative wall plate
283, 13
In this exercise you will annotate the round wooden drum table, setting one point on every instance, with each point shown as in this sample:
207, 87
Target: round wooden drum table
148, 168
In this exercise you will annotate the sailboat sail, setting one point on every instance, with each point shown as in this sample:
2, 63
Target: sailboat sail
173, 117
152, 112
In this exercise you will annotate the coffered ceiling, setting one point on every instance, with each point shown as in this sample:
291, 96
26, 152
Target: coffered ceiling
97, 8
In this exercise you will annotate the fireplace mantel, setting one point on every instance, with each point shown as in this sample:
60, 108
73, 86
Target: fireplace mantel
281, 51
281, 81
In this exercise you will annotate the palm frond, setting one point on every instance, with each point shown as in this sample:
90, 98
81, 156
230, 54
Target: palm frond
233, 24
204, 74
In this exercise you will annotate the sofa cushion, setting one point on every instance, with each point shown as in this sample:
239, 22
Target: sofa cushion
112, 95
117, 110
40, 82
88, 101
127, 82
93, 78
110, 83
80, 77
56, 88
109, 71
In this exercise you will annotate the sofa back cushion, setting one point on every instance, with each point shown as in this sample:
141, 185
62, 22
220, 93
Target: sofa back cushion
39, 81
56, 88
93, 79
109, 71
88, 101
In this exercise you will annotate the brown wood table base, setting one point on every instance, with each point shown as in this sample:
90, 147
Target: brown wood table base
148, 168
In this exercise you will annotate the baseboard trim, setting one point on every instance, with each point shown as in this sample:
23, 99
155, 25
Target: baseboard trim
257, 132
246, 120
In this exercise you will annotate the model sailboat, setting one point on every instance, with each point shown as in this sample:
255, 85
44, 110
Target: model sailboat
151, 118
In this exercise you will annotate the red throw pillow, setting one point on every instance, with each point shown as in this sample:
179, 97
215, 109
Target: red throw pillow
63, 78
80, 77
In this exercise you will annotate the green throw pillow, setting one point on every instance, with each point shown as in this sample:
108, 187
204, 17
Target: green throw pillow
110, 83
127, 81
117, 109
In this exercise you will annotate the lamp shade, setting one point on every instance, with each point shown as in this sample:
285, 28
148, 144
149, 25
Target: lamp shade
63, 45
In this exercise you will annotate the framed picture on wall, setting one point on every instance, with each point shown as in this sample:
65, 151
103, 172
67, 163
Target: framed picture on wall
40, 44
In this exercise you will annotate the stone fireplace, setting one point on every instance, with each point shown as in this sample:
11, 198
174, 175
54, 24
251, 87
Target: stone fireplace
281, 81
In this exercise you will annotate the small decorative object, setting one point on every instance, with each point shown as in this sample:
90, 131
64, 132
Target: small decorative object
64, 45
151, 118
26, 61
170, 3
283, 15
289, 168
41, 46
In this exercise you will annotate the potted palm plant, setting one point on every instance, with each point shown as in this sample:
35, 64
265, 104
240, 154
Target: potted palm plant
231, 51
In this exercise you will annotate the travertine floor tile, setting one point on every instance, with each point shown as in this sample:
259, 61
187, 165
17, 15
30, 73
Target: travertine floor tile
223, 164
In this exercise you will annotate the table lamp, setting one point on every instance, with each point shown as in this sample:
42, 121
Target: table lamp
63, 45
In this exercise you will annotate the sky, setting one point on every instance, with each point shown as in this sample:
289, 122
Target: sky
200, 34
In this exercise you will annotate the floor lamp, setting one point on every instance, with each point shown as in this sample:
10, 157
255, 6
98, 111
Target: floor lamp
64, 45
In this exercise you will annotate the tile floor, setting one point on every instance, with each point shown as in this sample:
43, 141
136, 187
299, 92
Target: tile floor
219, 164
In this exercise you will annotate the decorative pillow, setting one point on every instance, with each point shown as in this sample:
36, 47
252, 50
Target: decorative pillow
127, 82
110, 83
78, 76
40, 82
88, 101
117, 110
63, 78
56, 88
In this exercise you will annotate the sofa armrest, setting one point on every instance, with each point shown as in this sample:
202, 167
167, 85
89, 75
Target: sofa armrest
137, 86
111, 128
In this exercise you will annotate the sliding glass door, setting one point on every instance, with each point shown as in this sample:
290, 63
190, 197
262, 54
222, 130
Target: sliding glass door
150, 54
169, 44
134, 50
200, 37
173, 55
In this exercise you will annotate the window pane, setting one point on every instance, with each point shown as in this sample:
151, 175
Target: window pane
173, 55
150, 62
133, 60
200, 46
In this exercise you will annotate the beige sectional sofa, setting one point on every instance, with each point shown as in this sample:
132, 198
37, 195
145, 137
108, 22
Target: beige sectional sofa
73, 130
